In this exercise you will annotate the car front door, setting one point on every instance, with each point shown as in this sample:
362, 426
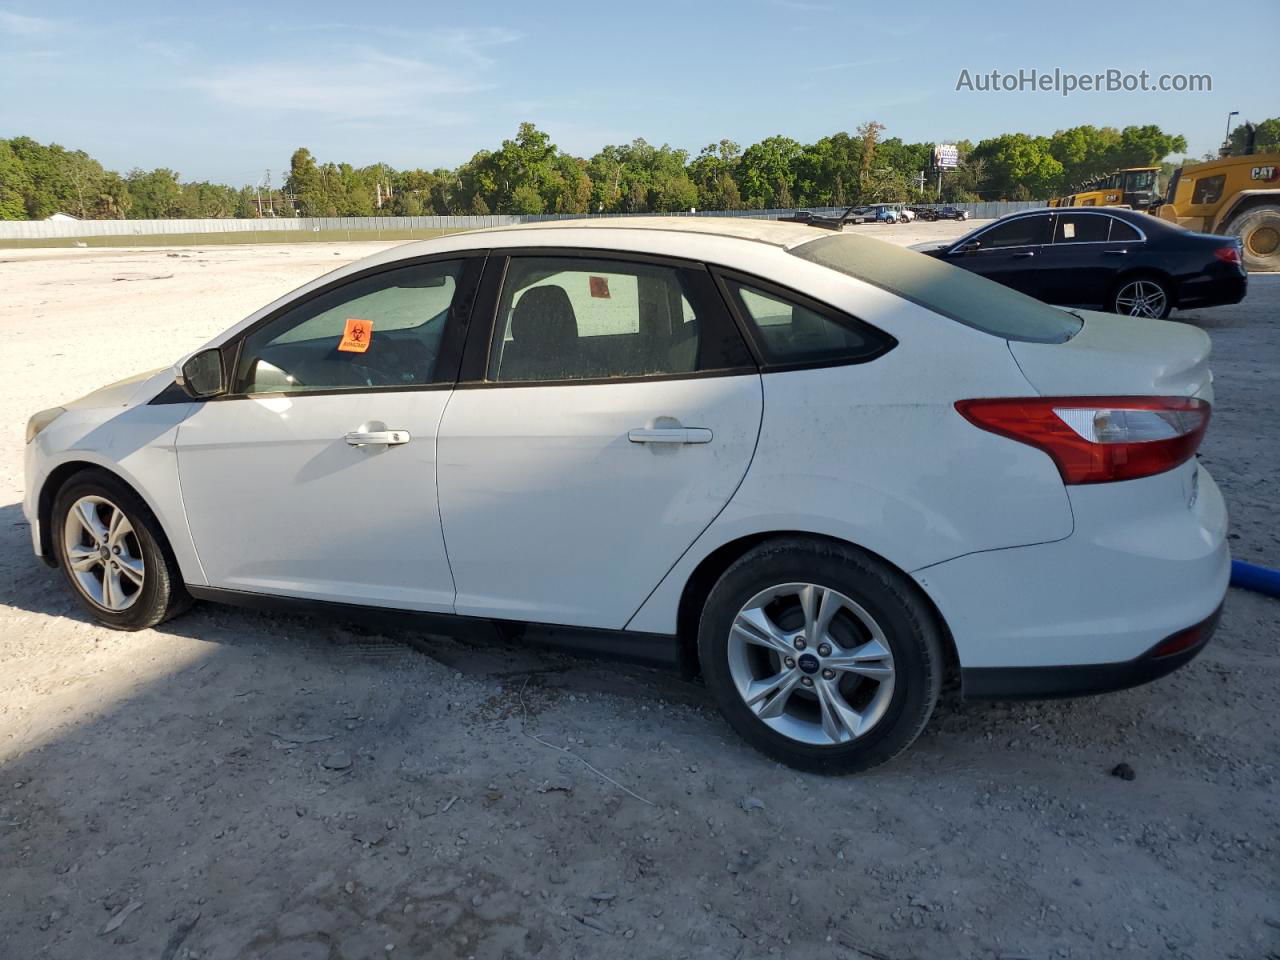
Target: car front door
314, 476
607, 411
1008, 252
1088, 251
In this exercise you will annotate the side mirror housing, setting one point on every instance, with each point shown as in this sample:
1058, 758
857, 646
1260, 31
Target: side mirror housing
969, 247
202, 375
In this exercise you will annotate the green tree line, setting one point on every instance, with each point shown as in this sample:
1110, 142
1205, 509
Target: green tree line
530, 174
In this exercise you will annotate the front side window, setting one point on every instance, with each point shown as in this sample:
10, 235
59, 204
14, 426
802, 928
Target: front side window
382, 330
1081, 228
568, 318
1018, 232
789, 332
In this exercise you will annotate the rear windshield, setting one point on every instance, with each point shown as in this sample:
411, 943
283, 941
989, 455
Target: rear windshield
963, 296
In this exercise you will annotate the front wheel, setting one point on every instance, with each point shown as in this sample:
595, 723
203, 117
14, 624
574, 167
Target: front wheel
821, 656
113, 553
1141, 297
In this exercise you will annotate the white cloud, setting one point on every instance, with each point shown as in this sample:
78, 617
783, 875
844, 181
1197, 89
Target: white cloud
23, 26
363, 82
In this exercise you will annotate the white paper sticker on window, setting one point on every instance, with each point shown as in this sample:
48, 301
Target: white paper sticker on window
1068, 230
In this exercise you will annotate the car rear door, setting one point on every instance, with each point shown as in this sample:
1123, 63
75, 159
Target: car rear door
607, 412
1008, 252
1088, 250
314, 477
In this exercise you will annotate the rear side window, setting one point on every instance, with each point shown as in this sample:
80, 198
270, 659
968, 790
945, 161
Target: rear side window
1123, 232
571, 318
788, 332
1081, 228
945, 289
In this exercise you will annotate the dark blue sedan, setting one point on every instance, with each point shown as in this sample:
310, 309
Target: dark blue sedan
1110, 259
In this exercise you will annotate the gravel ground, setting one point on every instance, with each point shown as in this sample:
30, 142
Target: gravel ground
241, 785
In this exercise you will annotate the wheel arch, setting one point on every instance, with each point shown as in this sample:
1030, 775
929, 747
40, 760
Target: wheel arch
1245, 201
57, 479
710, 568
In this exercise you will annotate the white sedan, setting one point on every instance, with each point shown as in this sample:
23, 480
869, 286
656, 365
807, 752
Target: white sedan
818, 469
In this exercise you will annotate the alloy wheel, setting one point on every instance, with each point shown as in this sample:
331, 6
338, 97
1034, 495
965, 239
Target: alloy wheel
103, 554
811, 664
1141, 298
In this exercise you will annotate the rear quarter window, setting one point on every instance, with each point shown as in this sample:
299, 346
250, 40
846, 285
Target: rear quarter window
950, 291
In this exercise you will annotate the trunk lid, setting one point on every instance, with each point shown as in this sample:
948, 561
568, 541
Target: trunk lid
1116, 356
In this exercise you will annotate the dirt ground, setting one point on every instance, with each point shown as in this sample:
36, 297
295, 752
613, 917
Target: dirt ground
243, 785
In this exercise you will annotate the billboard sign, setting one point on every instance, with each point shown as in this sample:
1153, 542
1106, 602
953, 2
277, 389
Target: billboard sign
946, 156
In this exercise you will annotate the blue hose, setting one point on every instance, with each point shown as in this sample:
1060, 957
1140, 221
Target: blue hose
1250, 576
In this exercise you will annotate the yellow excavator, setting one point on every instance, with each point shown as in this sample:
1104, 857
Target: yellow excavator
1131, 187
1237, 196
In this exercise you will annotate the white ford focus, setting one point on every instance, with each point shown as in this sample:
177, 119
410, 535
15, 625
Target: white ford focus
817, 468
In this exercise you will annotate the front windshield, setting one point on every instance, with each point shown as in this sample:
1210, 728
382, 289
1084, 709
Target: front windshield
950, 291
1140, 181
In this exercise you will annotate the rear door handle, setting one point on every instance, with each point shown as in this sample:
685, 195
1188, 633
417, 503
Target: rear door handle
1114, 253
386, 438
670, 435
1024, 254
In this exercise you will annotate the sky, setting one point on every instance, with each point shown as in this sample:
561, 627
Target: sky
226, 91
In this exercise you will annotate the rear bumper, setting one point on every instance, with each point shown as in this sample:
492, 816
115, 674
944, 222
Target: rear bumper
1147, 560
1212, 291
1042, 683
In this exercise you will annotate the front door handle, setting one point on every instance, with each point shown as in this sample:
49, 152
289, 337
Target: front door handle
670, 435
386, 438
1114, 253
1024, 254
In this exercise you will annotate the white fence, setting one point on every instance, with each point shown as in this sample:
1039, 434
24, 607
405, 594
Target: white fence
51, 230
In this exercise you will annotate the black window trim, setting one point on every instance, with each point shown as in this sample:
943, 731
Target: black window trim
482, 330
1053, 241
725, 275
473, 262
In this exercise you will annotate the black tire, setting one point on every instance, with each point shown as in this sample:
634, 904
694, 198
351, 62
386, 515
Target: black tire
1259, 231
161, 594
907, 621
1122, 286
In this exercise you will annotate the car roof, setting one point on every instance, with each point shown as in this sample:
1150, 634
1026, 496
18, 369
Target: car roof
778, 233
1139, 217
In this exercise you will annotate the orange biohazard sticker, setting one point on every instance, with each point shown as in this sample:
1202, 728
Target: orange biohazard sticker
356, 337
599, 287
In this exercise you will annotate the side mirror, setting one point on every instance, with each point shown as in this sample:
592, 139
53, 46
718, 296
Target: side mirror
969, 247
202, 376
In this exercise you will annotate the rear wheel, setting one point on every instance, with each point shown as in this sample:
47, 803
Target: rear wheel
1144, 296
113, 553
1259, 231
821, 656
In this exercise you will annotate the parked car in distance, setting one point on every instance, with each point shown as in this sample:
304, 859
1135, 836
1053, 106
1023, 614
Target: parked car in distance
764, 451
884, 213
1117, 260
941, 213
905, 214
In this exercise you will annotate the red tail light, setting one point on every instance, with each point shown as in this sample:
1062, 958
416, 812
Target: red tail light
1228, 254
1098, 439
